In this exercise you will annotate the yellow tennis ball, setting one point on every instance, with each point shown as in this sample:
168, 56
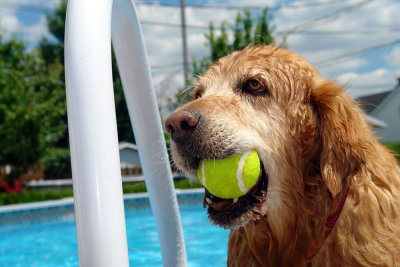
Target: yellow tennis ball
231, 177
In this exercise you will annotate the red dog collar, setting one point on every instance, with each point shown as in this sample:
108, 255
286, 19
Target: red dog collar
330, 223
331, 220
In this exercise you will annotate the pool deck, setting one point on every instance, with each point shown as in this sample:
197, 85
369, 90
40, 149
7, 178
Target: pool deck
67, 182
70, 201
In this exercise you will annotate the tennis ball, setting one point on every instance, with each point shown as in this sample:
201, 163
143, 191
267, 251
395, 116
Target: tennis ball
231, 177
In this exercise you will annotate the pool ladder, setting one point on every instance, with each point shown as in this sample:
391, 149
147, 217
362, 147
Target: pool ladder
99, 208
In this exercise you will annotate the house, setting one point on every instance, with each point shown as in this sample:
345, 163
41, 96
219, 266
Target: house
384, 106
131, 171
128, 154
129, 159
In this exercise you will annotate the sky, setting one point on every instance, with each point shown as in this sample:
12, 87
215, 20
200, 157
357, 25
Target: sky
355, 42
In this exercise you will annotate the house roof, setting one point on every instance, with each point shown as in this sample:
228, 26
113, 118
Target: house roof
370, 102
123, 145
375, 122
387, 99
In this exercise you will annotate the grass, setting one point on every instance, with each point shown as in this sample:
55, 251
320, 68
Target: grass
141, 187
30, 195
27, 195
395, 147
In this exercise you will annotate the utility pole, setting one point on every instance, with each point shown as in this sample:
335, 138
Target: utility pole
184, 45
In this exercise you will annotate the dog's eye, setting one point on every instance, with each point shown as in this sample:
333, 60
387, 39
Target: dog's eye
255, 87
196, 95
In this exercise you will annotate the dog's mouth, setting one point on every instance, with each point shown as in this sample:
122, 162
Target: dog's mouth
232, 213
227, 213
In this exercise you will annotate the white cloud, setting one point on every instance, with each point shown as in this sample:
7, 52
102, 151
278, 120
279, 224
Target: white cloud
164, 43
393, 58
38, 3
369, 82
378, 16
11, 26
37, 31
256, 3
165, 47
338, 67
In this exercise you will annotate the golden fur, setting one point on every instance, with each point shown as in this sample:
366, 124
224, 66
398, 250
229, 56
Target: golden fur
314, 144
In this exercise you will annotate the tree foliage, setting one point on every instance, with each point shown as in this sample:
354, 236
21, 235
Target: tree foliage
33, 115
232, 37
31, 105
246, 30
53, 50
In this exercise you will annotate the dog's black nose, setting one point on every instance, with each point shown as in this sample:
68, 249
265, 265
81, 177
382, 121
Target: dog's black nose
181, 124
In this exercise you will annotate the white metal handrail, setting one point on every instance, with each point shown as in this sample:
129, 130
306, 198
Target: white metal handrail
96, 173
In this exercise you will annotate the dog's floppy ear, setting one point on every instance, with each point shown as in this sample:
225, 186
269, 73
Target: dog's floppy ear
341, 130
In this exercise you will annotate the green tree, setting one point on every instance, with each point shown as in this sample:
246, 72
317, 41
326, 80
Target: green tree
246, 30
52, 50
31, 106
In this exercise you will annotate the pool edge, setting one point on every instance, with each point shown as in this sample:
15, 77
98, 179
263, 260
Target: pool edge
70, 201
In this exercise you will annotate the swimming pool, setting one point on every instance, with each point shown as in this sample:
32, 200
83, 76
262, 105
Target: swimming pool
51, 241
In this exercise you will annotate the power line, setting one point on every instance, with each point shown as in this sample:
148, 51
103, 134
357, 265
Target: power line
349, 32
372, 85
320, 64
298, 29
184, 44
35, 9
205, 6
295, 30
175, 25
169, 65
281, 32
346, 56
42, 9
334, 15
28, 8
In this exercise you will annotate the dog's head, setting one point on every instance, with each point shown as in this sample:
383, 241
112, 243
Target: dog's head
273, 101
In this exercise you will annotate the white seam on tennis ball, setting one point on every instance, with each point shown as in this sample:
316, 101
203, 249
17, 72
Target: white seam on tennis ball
203, 177
239, 173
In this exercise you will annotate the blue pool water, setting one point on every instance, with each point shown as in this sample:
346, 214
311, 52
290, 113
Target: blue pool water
54, 243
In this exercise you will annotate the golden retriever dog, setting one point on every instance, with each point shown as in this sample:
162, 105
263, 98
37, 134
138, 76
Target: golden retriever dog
329, 193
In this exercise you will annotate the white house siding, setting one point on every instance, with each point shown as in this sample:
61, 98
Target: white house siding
389, 112
129, 156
